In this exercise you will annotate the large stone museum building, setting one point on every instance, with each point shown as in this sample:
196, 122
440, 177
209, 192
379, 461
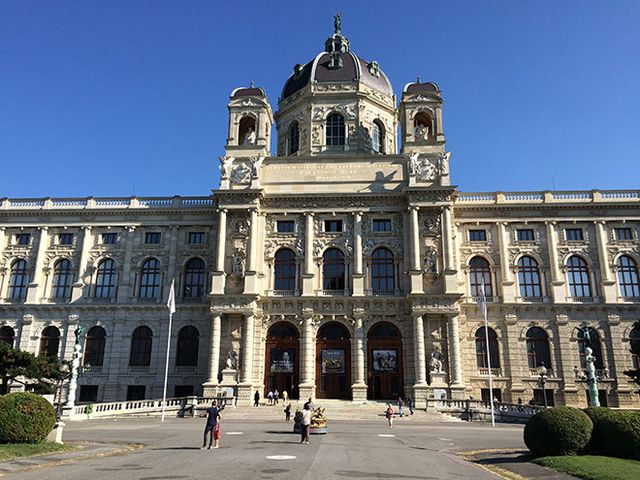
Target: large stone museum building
344, 265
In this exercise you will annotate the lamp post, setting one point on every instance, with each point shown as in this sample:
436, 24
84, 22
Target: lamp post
75, 368
64, 374
542, 372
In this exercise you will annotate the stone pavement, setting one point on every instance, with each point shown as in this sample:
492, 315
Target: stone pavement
515, 461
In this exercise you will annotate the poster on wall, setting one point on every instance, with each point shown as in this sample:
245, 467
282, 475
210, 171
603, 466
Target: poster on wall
281, 360
332, 361
385, 360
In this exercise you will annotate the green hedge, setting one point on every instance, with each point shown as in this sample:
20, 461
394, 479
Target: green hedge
558, 431
25, 418
615, 432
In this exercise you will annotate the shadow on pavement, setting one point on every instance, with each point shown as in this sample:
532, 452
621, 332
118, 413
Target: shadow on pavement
358, 474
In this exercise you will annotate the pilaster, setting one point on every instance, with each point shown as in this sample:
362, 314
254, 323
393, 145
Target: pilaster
358, 272
251, 277
36, 286
308, 275
218, 278
448, 246
359, 387
214, 354
125, 287
83, 265
508, 293
557, 279
455, 358
307, 384
608, 286
416, 271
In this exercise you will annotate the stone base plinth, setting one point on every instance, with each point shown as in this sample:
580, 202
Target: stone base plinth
209, 389
245, 395
229, 377
457, 392
307, 391
359, 392
420, 393
437, 380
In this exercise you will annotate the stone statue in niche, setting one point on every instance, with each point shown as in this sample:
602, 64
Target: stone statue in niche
232, 360
249, 137
237, 264
431, 261
437, 361
422, 133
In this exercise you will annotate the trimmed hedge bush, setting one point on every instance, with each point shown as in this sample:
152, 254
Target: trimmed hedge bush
558, 431
25, 418
615, 432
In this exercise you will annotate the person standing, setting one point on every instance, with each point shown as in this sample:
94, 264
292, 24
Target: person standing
270, 397
400, 407
388, 413
213, 425
309, 404
276, 396
410, 404
285, 396
287, 412
304, 424
256, 399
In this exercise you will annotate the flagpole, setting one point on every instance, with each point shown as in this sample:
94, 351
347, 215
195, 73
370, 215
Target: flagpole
486, 336
171, 304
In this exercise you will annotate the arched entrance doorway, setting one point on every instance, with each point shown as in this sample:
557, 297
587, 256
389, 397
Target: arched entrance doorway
282, 368
333, 361
385, 375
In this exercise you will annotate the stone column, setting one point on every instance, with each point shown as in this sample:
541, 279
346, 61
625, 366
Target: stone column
455, 360
214, 353
307, 384
416, 271
83, 265
359, 387
419, 355
358, 272
308, 275
125, 286
250, 276
609, 293
217, 284
247, 349
557, 280
171, 269
448, 246
508, 293
36, 287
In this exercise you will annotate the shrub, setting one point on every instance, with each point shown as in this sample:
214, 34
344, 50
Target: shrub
600, 417
558, 431
616, 433
25, 418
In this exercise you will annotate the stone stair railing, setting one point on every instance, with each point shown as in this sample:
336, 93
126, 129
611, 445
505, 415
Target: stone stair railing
477, 410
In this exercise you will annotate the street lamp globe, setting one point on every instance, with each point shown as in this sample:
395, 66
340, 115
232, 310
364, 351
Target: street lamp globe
542, 370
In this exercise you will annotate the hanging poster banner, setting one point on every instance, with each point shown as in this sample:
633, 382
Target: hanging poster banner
385, 360
332, 361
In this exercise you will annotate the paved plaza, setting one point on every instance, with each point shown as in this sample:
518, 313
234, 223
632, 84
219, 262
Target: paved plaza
416, 448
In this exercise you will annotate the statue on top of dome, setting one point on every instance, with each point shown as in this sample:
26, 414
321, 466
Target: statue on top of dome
337, 22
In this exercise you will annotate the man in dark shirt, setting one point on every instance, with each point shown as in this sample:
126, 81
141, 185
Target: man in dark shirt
212, 427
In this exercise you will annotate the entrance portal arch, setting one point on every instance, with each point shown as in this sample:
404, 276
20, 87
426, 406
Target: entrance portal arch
385, 369
333, 361
282, 354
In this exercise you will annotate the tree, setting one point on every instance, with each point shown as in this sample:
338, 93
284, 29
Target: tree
40, 373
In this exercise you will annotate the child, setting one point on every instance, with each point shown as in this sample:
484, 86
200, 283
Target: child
389, 414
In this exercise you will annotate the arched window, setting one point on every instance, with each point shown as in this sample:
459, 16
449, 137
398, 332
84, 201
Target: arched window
194, 279
529, 278
578, 277
628, 277
293, 142
333, 269
634, 345
141, 343
382, 270
106, 279
335, 130
49, 342
18, 280
150, 279
94, 347
187, 351
377, 136
7, 335
481, 349
538, 352
62, 279
284, 270
422, 126
596, 346
247, 131
479, 272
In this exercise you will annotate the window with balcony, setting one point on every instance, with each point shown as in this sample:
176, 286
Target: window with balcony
333, 270
529, 283
62, 280
49, 342
578, 277
284, 270
18, 280
150, 279
106, 279
482, 360
194, 279
479, 273
538, 351
94, 344
141, 343
382, 271
628, 277
335, 132
477, 235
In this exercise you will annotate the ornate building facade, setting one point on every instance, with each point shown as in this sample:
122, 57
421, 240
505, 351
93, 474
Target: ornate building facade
344, 266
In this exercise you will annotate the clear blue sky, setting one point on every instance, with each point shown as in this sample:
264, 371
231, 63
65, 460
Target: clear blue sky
112, 98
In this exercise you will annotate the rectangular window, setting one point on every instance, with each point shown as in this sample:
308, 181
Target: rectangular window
65, 239
151, 238
88, 393
381, 225
136, 392
333, 226
525, 235
183, 391
573, 234
109, 238
23, 238
624, 233
477, 235
196, 237
285, 226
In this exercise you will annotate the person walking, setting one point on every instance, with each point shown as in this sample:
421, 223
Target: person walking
276, 396
285, 397
287, 412
410, 404
304, 424
270, 397
256, 399
212, 427
309, 404
388, 413
400, 407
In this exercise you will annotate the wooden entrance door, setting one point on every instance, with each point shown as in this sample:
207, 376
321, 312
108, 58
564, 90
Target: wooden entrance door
282, 360
333, 362
385, 368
